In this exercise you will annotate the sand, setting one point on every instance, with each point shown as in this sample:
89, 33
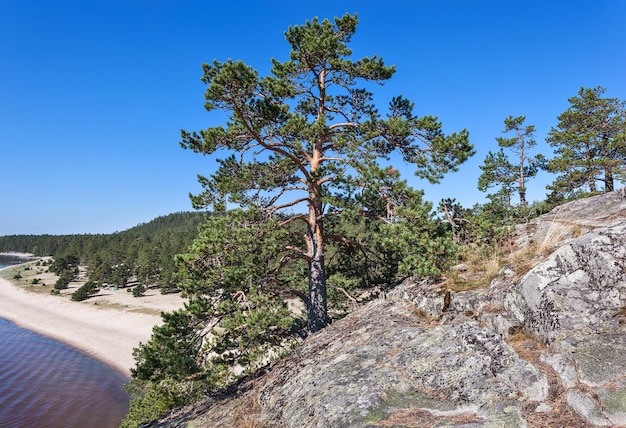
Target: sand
107, 327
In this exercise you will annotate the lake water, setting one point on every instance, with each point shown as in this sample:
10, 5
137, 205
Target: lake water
45, 383
7, 260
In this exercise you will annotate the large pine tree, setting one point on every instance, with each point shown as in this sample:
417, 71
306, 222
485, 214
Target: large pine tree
308, 140
590, 144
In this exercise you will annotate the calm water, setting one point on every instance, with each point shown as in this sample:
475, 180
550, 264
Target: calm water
9, 260
45, 383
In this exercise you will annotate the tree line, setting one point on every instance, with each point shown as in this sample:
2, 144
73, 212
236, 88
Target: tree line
143, 253
589, 143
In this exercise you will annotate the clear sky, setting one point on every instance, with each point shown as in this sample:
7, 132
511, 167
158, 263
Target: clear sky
93, 93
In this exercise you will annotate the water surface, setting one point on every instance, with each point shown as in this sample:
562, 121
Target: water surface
46, 383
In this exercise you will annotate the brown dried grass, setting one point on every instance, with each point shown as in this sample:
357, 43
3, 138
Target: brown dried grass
562, 415
419, 418
483, 265
247, 413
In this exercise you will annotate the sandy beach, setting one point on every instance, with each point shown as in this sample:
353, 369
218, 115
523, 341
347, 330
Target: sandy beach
107, 326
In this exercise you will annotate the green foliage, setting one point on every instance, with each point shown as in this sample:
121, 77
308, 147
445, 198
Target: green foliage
319, 213
149, 400
590, 145
66, 264
85, 291
172, 351
307, 138
139, 290
67, 269
63, 281
500, 172
235, 279
17, 276
481, 226
253, 328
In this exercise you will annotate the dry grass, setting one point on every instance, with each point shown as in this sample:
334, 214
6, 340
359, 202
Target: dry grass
562, 415
493, 308
482, 266
492, 266
557, 233
419, 418
484, 263
105, 304
246, 414
524, 260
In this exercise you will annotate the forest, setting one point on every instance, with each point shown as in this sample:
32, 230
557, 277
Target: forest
144, 253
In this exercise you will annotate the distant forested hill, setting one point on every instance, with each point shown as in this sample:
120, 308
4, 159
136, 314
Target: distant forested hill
144, 253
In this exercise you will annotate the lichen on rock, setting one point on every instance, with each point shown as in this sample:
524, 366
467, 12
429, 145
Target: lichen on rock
430, 357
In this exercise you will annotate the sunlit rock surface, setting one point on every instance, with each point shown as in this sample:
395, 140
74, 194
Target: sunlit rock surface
544, 344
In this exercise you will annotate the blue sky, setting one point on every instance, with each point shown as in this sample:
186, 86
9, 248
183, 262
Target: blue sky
93, 93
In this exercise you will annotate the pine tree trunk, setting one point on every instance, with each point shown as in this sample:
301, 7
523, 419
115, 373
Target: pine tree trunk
608, 179
522, 178
522, 198
590, 175
592, 185
317, 311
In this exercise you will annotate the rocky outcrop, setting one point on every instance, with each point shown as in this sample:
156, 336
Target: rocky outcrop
543, 344
574, 302
385, 365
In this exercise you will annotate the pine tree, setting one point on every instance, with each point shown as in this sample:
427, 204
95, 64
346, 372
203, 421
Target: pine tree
307, 140
498, 171
590, 144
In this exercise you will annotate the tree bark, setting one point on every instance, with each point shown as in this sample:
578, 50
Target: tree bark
522, 178
317, 309
609, 185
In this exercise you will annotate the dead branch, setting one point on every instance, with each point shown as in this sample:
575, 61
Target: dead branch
352, 299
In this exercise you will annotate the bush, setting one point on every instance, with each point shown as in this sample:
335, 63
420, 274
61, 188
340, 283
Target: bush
150, 400
86, 291
63, 281
17, 276
139, 290
35, 281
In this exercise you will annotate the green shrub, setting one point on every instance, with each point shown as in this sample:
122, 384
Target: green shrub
35, 281
139, 290
150, 400
63, 281
86, 291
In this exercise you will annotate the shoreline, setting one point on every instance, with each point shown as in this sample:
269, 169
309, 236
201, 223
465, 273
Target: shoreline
100, 327
19, 255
